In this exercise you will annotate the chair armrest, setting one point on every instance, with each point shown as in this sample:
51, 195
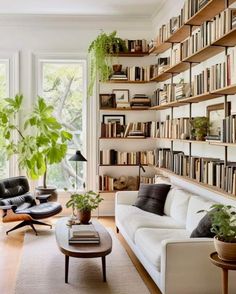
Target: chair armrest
43, 198
185, 263
126, 197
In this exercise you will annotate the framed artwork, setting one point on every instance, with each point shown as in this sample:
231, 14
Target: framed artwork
216, 113
107, 101
122, 95
113, 118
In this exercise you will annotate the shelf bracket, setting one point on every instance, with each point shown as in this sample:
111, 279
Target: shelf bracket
190, 78
226, 156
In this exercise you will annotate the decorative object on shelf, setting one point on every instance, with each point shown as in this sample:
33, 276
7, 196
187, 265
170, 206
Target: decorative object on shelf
200, 126
84, 203
122, 95
101, 52
113, 118
216, 114
77, 157
117, 68
223, 218
107, 101
41, 142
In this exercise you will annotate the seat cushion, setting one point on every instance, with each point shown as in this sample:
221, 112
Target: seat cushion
152, 197
133, 218
149, 242
43, 210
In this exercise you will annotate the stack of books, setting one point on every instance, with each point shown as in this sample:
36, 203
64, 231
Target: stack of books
140, 101
136, 45
163, 64
182, 90
122, 105
81, 234
119, 75
136, 134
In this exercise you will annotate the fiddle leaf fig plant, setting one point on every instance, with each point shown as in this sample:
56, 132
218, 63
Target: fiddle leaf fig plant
101, 52
40, 142
85, 201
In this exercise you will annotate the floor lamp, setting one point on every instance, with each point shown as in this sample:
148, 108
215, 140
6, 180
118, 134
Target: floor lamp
77, 157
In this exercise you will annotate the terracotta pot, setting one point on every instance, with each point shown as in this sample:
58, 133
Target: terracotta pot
84, 216
226, 251
117, 67
40, 190
200, 138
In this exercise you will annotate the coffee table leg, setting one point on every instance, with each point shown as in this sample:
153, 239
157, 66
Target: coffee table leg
66, 268
104, 268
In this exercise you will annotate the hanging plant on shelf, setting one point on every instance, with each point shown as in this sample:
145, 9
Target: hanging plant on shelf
101, 51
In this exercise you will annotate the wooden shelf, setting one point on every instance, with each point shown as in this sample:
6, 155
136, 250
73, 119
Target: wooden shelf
126, 82
147, 138
169, 105
116, 165
126, 109
199, 184
160, 48
229, 90
180, 34
132, 54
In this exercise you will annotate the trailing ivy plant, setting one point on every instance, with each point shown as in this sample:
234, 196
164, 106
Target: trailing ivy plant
40, 142
101, 52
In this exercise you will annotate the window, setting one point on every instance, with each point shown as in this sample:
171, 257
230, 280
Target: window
4, 92
63, 84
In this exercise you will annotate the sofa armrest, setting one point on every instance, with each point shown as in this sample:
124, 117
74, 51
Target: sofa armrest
8, 207
126, 197
185, 263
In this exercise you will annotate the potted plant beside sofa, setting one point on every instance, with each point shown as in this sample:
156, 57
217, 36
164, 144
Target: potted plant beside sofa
223, 225
84, 203
41, 140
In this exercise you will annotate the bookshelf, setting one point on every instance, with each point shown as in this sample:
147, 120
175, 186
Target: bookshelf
220, 45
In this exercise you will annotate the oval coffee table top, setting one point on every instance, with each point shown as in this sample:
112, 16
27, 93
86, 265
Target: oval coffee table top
83, 250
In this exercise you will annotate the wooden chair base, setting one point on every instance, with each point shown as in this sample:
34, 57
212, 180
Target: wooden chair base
30, 223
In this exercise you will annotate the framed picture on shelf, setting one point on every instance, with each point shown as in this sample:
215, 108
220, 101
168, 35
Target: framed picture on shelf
113, 118
107, 101
216, 114
121, 95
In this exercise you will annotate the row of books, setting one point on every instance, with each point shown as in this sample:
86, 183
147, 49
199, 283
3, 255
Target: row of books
177, 128
172, 92
189, 9
133, 73
228, 129
82, 234
137, 45
211, 171
113, 157
140, 101
147, 180
209, 32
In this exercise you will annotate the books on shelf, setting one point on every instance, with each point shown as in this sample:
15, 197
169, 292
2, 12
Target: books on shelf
228, 129
81, 234
119, 76
138, 46
147, 180
210, 171
177, 128
138, 73
175, 54
163, 64
140, 101
148, 129
114, 157
112, 130
122, 105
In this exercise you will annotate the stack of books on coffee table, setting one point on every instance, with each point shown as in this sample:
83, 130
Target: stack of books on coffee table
81, 234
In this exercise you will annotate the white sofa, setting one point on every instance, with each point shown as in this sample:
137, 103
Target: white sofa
177, 263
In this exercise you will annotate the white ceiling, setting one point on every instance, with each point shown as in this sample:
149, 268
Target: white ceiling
82, 7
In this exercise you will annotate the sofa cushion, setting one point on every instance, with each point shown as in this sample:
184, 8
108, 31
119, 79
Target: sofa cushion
149, 242
133, 218
179, 205
196, 203
203, 229
152, 197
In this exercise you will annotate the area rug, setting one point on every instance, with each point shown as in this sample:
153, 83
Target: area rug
42, 268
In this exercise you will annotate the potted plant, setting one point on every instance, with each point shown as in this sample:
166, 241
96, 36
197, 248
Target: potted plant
40, 142
101, 52
84, 203
200, 126
223, 219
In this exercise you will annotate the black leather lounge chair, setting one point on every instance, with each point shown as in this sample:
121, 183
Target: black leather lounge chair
18, 204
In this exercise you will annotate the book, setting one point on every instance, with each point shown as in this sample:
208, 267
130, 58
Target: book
83, 234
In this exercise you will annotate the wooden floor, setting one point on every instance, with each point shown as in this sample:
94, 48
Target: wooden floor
11, 248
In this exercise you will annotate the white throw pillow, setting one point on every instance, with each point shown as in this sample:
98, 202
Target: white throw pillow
179, 205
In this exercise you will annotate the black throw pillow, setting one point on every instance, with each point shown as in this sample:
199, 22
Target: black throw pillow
152, 197
203, 230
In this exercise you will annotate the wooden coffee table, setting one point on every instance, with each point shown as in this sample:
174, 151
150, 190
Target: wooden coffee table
83, 250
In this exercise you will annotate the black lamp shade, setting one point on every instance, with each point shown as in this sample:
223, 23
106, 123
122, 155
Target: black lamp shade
77, 157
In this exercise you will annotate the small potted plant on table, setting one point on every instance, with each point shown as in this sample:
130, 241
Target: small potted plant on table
223, 219
84, 203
